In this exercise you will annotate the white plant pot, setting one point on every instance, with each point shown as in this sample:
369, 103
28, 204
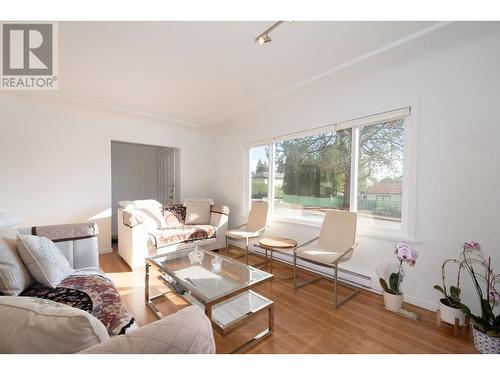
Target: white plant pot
449, 314
393, 302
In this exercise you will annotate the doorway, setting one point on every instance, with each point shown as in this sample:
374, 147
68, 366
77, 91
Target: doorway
141, 171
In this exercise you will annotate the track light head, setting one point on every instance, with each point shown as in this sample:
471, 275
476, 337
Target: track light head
264, 39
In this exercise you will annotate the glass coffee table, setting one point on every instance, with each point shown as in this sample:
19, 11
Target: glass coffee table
221, 287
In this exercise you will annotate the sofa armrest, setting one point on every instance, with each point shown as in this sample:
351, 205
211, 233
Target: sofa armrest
219, 216
186, 332
131, 220
132, 240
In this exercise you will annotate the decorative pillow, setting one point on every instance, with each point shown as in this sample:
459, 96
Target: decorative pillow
174, 214
151, 216
44, 260
34, 325
197, 211
14, 277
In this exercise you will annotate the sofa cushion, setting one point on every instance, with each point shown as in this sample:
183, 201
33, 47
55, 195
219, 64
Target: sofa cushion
44, 259
33, 325
174, 214
90, 290
183, 233
188, 331
197, 211
14, 277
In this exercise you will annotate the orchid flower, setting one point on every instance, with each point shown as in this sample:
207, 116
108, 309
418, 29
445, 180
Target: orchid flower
494, 296
406, 254
473, 245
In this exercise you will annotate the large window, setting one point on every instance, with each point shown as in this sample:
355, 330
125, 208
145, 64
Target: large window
357, 168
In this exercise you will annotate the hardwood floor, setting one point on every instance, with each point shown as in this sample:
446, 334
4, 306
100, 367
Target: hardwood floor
305, 320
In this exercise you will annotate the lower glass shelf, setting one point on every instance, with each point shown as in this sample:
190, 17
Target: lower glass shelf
235, 310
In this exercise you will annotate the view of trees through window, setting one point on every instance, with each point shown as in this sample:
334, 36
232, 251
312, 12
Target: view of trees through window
259, 168
380, 173
312, 174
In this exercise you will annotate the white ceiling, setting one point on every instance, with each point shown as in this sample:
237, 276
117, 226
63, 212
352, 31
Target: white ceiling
197, 72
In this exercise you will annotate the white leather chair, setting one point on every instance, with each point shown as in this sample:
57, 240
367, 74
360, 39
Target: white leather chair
255, 226
335, 244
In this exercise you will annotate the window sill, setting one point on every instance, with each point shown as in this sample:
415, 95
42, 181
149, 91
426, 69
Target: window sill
386, 236
393, 237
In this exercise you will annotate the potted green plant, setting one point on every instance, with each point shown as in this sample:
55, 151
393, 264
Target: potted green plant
393, 296
486, 327
449, 306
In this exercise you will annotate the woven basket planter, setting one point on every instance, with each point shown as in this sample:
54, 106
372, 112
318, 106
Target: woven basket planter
485, 344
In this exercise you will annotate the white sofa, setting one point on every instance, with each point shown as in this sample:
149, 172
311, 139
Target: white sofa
147, 227
187, 331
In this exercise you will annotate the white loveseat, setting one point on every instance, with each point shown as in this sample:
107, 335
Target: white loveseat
147, 227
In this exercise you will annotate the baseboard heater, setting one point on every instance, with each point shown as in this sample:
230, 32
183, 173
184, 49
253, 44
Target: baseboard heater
346, 276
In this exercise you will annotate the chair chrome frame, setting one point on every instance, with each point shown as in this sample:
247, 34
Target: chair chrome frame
333, 265
247, 239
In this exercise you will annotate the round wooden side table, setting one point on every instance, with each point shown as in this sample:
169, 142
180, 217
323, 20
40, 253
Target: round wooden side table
279, 244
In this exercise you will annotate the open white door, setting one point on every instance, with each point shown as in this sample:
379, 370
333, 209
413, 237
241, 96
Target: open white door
166, 175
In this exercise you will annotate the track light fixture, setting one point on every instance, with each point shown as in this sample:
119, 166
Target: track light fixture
264, 37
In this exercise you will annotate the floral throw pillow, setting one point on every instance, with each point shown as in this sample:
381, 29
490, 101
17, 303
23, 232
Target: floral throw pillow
174, 214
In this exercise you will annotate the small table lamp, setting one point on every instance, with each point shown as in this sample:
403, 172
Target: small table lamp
8, 219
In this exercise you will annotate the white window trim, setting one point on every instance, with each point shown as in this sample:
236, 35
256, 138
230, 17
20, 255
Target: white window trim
247, 177
353, 203
408, 203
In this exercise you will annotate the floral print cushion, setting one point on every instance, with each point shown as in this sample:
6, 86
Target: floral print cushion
174, 214
182, 233
71, 297
91, 291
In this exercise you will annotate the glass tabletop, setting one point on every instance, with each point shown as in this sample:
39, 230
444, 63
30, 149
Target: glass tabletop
207, 281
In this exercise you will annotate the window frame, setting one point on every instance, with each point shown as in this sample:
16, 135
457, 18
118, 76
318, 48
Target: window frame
247, 191
408, 198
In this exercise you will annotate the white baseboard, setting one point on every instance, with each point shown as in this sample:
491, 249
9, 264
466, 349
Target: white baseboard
106, 251
421, 303
347, 276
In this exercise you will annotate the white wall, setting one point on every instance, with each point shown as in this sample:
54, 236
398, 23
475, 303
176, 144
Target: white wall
55, 158
451, 80
134, 174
